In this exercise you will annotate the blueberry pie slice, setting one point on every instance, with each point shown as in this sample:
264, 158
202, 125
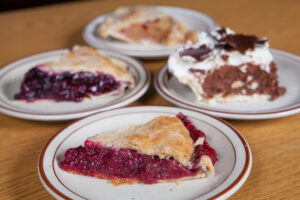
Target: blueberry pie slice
166, 149
81, 74
145, 25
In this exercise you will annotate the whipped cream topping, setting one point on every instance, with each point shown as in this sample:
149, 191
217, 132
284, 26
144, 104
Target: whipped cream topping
180, 64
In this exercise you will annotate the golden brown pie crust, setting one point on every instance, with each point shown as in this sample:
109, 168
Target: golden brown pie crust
163, 136
144, 25
87, 59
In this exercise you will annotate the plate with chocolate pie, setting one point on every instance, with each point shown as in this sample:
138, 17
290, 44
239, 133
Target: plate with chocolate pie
232, 76
68, 84
146, 152
146, 31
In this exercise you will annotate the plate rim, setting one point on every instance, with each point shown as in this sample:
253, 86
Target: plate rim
89, 38
225, 193
10, 111
294, 109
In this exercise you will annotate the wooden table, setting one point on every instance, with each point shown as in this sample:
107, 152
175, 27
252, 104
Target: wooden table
275, 143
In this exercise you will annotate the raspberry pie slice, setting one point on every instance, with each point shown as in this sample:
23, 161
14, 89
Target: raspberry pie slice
81, 74
166, 149
145, 25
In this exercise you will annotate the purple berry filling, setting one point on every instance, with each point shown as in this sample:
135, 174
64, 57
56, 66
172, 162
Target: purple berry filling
64, 86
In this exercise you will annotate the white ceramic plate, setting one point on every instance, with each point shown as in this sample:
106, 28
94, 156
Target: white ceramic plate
12, 75
196, 21
231, 170
288, 104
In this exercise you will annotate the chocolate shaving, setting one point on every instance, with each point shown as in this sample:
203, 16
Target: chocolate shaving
199, 54
222, 31
240, 42
262, 40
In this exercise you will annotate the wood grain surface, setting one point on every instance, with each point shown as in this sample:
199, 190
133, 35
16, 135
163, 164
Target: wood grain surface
275, 143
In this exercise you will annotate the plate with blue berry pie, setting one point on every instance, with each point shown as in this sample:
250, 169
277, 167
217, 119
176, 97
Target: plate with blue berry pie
68, 84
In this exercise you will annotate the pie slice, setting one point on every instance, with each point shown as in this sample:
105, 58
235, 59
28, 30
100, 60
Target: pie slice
223, 66
145, 25
166, 149
81, 74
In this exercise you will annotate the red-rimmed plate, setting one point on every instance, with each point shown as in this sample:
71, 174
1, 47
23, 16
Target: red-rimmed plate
12, 75
231, 170
288, 72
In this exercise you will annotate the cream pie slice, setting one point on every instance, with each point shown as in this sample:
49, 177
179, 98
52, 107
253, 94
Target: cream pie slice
223, 66
145, 25
166, 149
81, 74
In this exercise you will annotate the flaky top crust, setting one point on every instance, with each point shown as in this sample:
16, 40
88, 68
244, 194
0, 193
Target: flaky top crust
127, 17
164, 136
87, 59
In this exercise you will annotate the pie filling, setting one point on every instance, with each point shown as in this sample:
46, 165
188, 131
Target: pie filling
231, 80
129, 165
64, 86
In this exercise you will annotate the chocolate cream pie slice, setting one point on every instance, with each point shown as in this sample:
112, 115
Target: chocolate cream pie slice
145, 25
166, 149
81, 74
227, 67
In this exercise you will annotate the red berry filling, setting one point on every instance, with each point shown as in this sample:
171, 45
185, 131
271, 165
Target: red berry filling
64, 86
199, 150
127, 164
194, 132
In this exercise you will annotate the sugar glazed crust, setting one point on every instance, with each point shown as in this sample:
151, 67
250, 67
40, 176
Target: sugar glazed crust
163, 136
87, 59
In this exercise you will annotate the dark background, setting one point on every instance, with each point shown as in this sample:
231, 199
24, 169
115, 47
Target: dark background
8, 5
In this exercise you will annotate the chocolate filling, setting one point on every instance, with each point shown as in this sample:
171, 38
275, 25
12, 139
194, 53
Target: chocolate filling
221, 81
